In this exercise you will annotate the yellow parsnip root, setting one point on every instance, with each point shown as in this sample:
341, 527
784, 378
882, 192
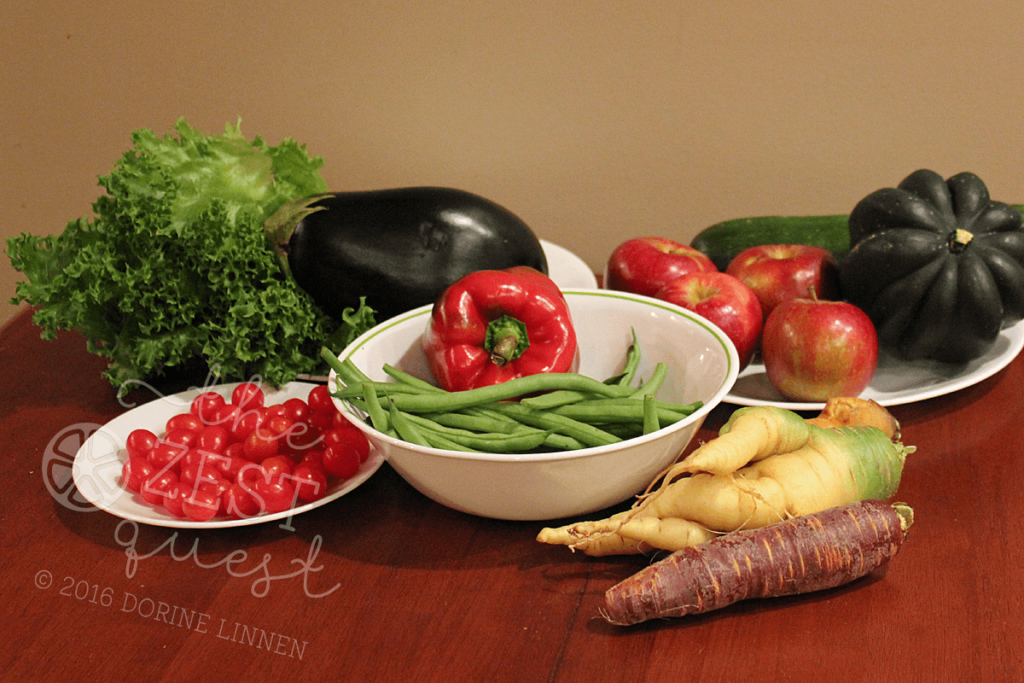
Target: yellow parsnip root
823, 468
846, 412
751, 434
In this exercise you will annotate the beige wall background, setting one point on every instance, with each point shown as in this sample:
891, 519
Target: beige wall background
594, 121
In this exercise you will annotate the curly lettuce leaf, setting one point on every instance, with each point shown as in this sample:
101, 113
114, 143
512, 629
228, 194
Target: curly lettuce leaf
174, 270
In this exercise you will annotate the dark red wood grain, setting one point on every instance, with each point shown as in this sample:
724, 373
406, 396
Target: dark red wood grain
412, 591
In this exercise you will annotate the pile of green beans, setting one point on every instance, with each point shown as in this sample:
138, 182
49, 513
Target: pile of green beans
543, 412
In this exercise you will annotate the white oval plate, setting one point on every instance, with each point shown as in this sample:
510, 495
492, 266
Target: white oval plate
896, 381
567, 269
97, 466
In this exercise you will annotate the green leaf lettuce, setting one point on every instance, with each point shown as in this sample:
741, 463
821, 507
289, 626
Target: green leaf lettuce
174, 270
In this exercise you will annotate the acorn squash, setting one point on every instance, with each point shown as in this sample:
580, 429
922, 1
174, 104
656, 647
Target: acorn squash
937, 266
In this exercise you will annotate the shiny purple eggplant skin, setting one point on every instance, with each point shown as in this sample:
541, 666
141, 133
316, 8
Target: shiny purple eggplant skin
400, 248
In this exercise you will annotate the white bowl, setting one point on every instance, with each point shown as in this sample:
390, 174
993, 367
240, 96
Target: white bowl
702, 363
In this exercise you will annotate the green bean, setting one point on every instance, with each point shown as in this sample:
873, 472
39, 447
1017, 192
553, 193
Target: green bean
581, 431
514, 388
625, 378
405, 378
623, 411
346, 370
477, 423
382, 389
378, 417
406, 430
562, 397
651, 423
437, 440
652, 385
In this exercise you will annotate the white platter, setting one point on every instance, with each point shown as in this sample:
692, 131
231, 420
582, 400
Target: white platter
97, 466
567, 269
896, 381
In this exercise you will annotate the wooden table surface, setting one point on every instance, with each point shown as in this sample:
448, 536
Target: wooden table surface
385, 585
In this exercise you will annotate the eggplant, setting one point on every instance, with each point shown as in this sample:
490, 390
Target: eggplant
399, 248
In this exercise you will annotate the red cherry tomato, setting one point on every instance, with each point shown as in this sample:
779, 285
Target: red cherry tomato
248, 475
260, 445
276, 410
247, 395
297, 409
246, 423
348, 436
205, 406
320, 401
213, 438
239, 503
139, 442
181, 437
199, 473
175, 498
156, 486
341, 461
135, 471
226, 415
228, 465
313, 457
201, 504
321, 421
166, 456
277, 466
276, 496
184, 421
310, 482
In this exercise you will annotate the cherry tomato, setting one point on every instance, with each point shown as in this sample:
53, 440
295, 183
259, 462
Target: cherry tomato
314, 457
205, 406
276, 496
247, 395
228, 465
297, 409
248, 475
310, 482
135, 471
277, 410
201, 504
321, 421
175, 497
154, 488
139, 442
301, 438
199, 473
186, 421
213, 438
260, 445
235, 450
238, 502
341, 461
181, 437
246, 423
166, 456
226, 415
277, 466
348, 436
320, 401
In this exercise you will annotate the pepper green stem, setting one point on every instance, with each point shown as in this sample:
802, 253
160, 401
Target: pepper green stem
506, 339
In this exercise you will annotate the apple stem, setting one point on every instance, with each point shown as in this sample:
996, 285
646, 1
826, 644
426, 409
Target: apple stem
814, 294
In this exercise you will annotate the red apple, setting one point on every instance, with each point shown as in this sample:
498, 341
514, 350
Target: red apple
723, 300
777, 272
814, 350
644, 265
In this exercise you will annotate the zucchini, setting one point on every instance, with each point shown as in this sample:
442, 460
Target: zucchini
722, 241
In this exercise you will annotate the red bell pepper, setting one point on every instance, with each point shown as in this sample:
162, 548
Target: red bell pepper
495, 325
